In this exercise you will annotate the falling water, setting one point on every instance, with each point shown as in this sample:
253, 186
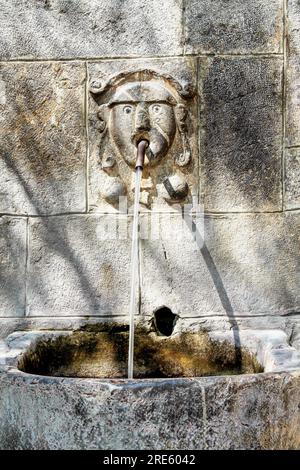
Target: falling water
134, 268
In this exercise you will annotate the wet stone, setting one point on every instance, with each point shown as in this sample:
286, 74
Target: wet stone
293, 101
101, 351
293, 24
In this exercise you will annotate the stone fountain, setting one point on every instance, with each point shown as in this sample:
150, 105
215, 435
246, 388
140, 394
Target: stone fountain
216, 362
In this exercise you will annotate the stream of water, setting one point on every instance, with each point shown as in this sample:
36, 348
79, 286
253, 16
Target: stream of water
134, 269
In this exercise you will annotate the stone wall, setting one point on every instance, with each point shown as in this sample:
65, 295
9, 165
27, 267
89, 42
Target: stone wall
55, 270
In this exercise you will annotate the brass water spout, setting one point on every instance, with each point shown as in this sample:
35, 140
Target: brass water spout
141, 150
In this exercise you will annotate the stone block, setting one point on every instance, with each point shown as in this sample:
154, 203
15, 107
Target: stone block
292, 132
241, 135
94, 414
238, 412
12, 266
42, 138
293, 25
111, 174
293, 74
47, 29
11, 325
239, 265
234, 26
78, 267
292, 179
253, 412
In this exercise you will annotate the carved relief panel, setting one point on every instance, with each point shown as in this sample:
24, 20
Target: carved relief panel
137, 100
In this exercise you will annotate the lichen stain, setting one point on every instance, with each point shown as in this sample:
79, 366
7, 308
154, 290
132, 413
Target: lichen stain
281, 436
101, 352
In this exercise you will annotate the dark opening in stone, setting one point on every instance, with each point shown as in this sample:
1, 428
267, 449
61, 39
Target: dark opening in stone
165, 321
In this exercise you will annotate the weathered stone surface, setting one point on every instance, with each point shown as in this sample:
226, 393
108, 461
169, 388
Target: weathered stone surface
294, 325
12, 266
248, 265
42, 138
293, 101
81, 28
112, 152
78, 267
293, 25
245, 275
101, 350
241, 121
102, 353
293, 74
257, 412
90, 414
242, 412
210, 323
292, 179
10, 325
270, 348
234, 26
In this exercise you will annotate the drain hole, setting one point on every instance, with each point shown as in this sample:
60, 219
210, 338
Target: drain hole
165, 321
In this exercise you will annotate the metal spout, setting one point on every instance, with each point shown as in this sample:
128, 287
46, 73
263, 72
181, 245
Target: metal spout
141, 150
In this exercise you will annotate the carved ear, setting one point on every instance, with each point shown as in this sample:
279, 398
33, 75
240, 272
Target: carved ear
181, 114
103, 111
184, 158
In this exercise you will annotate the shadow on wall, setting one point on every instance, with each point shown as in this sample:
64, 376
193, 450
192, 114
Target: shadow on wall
242, 152
66, 29
43, 161
220, 288
241, 143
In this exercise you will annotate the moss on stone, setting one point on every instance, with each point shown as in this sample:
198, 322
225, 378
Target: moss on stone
101, 351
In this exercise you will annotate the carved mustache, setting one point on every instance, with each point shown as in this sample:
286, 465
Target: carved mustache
153, 136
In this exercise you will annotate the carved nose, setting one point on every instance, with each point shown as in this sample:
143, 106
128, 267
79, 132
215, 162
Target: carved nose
142, 121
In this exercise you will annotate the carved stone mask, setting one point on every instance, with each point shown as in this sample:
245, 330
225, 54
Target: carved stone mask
141, 110
145, 105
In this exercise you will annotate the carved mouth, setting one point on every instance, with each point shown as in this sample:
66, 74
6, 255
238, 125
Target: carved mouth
157, 148
138, 136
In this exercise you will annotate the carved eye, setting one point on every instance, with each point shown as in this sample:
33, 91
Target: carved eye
156, 108
127, 109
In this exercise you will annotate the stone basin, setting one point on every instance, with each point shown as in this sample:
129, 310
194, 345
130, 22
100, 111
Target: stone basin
102, 351
246, 396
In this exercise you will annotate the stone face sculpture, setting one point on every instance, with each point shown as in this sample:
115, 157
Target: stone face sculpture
143, 105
